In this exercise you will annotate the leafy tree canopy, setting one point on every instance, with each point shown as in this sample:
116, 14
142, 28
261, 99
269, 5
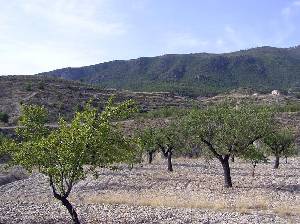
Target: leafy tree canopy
91, 138
227, 130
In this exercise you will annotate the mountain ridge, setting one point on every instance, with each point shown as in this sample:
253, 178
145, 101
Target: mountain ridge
262, 69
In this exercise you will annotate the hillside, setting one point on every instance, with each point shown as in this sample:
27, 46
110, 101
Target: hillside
190, 194
262, 69
63, 98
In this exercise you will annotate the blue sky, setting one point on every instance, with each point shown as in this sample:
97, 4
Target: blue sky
42, 35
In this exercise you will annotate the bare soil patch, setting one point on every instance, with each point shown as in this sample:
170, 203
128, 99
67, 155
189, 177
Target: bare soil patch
193, 193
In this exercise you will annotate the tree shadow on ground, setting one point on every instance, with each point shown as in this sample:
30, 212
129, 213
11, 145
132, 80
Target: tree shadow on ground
291, 188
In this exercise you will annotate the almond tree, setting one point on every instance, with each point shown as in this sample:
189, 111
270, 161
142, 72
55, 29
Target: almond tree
280, 142
4, 142
32, 122
90, 138
147, 141
228, 131
254, 155
166, 139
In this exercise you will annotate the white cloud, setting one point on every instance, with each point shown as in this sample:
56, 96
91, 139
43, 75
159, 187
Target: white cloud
44, 35
24, 57
286, 27
89, 15
139, 5
184, 42
289, 10
296, 3
286, 11
234, 37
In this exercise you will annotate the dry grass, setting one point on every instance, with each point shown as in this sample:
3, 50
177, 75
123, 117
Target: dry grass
242, 205
156, 200
287, 209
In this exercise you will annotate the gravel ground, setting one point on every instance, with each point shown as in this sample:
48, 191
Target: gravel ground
193, 193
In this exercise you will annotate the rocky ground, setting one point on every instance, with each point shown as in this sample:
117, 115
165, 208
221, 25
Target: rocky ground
193, 193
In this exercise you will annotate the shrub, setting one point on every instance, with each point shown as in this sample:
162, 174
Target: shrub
28, 87
41, 85
4, 117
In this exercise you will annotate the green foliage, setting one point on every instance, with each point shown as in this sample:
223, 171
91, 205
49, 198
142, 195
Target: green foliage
4, 117
147, 139
78, 108
6, 144
32, 122
165, 112
289, 107
254, 154
165, 138
28, 87
41, 85
2, 145
171, 137
228, 130
280, 142
262, 69
90, 139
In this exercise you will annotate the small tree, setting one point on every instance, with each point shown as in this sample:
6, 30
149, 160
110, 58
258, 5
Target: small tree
254, 155
32, 122
28, 87
228, 131
91, 138
147, 141
169, 139
165, 139
280, 142
3, 145
4, 117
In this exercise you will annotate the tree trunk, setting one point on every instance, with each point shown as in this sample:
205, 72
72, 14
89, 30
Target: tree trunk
65, 203
226, 169
71, 210
169, 156
150, 157
232, 159
253, 170
276, 162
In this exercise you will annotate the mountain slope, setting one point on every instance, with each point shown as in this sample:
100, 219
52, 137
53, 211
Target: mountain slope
63, 97
262, 69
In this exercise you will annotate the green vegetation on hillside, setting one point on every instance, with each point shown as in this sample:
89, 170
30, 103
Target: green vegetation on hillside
262, 69
4, 117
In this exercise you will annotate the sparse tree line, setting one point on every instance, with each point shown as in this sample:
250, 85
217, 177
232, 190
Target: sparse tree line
223, 132
92, 139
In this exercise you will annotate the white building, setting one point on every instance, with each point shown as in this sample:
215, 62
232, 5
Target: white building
275, 93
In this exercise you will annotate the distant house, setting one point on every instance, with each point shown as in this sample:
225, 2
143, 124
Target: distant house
275, 93
258, 144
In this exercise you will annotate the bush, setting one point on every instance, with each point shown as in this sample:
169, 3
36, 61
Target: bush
78, 108
41, 85
28, 87
289, 107
165, 112
4, 117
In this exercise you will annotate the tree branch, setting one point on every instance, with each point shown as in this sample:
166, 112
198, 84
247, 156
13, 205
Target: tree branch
56, 195
211, 148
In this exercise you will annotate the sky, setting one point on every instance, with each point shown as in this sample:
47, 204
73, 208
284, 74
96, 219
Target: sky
43, 35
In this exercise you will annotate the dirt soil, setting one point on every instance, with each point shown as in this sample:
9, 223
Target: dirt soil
193, 193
